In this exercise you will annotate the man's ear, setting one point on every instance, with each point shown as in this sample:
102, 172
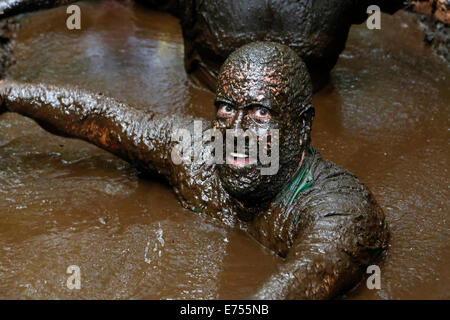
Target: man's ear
307, 113
311, 112
306, 118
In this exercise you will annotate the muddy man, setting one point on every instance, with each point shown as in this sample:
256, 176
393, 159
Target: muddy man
212, 29
317, 216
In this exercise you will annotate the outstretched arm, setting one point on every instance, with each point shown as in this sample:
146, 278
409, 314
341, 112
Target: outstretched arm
10, 8
142, 138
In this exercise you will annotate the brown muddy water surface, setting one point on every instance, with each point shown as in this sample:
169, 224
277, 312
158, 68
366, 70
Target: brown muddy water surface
384, 116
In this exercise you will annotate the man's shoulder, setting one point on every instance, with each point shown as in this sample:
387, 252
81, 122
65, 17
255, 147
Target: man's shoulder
339, 201
335, 190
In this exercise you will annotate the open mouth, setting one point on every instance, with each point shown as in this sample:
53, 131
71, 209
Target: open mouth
240, 160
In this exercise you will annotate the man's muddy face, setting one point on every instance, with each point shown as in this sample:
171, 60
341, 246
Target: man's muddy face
252, 121
251, 98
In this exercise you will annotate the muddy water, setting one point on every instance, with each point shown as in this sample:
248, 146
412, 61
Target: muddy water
63, 202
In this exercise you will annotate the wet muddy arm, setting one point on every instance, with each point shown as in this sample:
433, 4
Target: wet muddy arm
331, 254
142, 138
10, 8
316, 268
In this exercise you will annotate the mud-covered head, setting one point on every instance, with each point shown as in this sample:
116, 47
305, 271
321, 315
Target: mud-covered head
263, 87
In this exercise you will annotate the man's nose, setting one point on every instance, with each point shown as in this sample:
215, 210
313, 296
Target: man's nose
237, 122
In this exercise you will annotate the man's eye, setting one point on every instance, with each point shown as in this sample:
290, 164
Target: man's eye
225, 109
261, 113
